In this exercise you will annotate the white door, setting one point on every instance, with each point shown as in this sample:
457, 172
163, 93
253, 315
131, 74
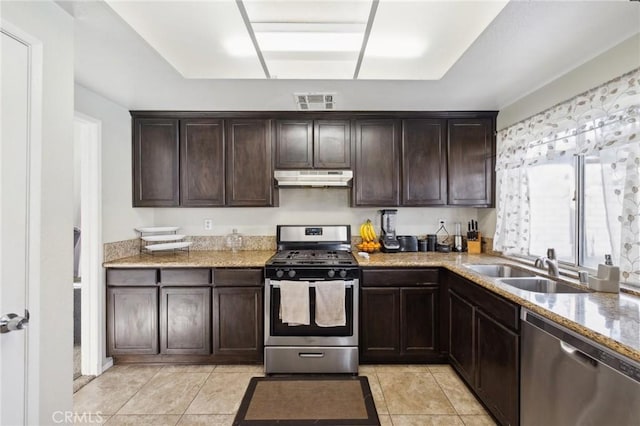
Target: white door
14, 228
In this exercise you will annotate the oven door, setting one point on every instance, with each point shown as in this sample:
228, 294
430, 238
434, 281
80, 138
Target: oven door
278, 333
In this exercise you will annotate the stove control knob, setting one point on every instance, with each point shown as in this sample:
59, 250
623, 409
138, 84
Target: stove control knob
343, 273
279, 273
331, 273
292, 273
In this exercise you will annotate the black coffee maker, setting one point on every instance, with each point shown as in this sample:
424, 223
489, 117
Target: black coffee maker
389, 241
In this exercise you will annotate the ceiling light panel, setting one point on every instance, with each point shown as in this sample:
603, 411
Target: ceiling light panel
308, 11
422, 40
309, 39
200, 39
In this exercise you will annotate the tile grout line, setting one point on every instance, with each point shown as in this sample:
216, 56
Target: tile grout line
383, 397
135, 393
196, 394
449, 399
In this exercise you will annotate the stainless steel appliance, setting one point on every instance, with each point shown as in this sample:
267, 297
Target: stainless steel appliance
315, 255
567, 380
389, 241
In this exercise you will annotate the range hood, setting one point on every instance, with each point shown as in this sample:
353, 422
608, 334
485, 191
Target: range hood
313, 178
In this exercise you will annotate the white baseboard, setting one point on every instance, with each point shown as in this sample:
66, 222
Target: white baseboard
108, 363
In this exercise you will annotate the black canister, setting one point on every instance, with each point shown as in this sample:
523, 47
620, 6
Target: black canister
432, 240
422, 245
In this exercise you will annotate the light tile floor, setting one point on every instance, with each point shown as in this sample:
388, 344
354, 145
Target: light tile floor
405, 395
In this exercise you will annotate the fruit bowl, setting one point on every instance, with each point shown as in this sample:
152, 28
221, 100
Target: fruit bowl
368, 246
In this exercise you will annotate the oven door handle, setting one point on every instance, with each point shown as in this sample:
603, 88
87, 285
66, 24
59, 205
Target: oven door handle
274, 284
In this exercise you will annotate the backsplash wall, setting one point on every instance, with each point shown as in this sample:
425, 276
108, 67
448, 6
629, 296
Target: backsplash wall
308, 206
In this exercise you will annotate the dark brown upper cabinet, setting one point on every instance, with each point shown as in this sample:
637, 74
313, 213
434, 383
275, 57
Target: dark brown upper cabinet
424, 162
155, 163
202, 165
377, 166
249, 176
306, 144
471, 153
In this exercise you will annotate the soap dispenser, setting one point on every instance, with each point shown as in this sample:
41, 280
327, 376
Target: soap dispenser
608, 278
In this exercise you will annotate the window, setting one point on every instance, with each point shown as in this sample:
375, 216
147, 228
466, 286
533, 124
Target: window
560, 193
569, 178
552, 188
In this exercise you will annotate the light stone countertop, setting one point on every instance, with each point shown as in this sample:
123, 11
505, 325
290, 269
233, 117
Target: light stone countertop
612, 320
195, 259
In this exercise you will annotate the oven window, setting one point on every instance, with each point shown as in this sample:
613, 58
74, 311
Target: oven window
278, 328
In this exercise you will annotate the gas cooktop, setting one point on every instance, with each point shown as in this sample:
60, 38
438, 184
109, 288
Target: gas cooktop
313, 257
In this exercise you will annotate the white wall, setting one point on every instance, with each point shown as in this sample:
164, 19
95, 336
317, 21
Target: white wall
119, 218
604, 67
610, 64
308, 206
54, 28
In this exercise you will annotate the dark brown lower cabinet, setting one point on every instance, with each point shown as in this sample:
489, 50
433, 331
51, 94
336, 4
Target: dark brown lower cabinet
379, 324
418, 320
461, 336
185, 315
132, 320
497, 368
399, 318
484, 343
185, 320
237, 322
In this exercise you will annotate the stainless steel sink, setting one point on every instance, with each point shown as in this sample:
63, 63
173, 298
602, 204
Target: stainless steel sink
500, 270
541, 285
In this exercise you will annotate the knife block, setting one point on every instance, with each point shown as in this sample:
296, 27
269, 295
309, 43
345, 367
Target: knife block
475, 246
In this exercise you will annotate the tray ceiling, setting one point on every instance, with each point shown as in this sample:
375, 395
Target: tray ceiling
332, 39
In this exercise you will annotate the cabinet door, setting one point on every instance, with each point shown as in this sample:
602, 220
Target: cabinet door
132, 320
419, 321
185, 318
461, 336
379, 324
294, 144
237, 322
332, 144
497, 368
201, 163
471, 148
155, 163
377, 171
424, 163
249, 177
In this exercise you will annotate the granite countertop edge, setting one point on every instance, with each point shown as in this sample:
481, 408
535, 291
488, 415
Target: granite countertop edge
555, 307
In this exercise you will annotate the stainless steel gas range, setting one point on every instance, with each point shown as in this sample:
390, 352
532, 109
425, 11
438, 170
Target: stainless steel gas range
311, 302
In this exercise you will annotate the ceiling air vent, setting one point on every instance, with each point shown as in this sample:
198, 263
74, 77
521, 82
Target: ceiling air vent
315, 101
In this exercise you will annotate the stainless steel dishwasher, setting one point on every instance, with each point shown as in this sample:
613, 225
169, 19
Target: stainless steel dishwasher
568, 380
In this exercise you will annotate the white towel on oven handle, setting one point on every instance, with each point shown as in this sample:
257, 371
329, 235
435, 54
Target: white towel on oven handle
294, 302
330, 301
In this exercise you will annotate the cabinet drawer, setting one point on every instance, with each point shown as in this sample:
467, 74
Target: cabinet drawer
237, 277
398, 277
132, 277
187, 276
505, 312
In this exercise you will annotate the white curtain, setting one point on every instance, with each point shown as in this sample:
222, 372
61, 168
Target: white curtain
604, 121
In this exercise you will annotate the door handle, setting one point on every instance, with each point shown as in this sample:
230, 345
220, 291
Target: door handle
13, 322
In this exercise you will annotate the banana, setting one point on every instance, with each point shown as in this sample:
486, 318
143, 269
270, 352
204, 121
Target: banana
372, 231
363, 232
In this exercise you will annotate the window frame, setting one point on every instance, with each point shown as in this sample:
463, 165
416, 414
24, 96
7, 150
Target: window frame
580, 224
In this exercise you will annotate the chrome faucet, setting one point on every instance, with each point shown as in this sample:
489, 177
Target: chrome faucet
550, 261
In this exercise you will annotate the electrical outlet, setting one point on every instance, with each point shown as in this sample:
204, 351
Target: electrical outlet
208, 224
